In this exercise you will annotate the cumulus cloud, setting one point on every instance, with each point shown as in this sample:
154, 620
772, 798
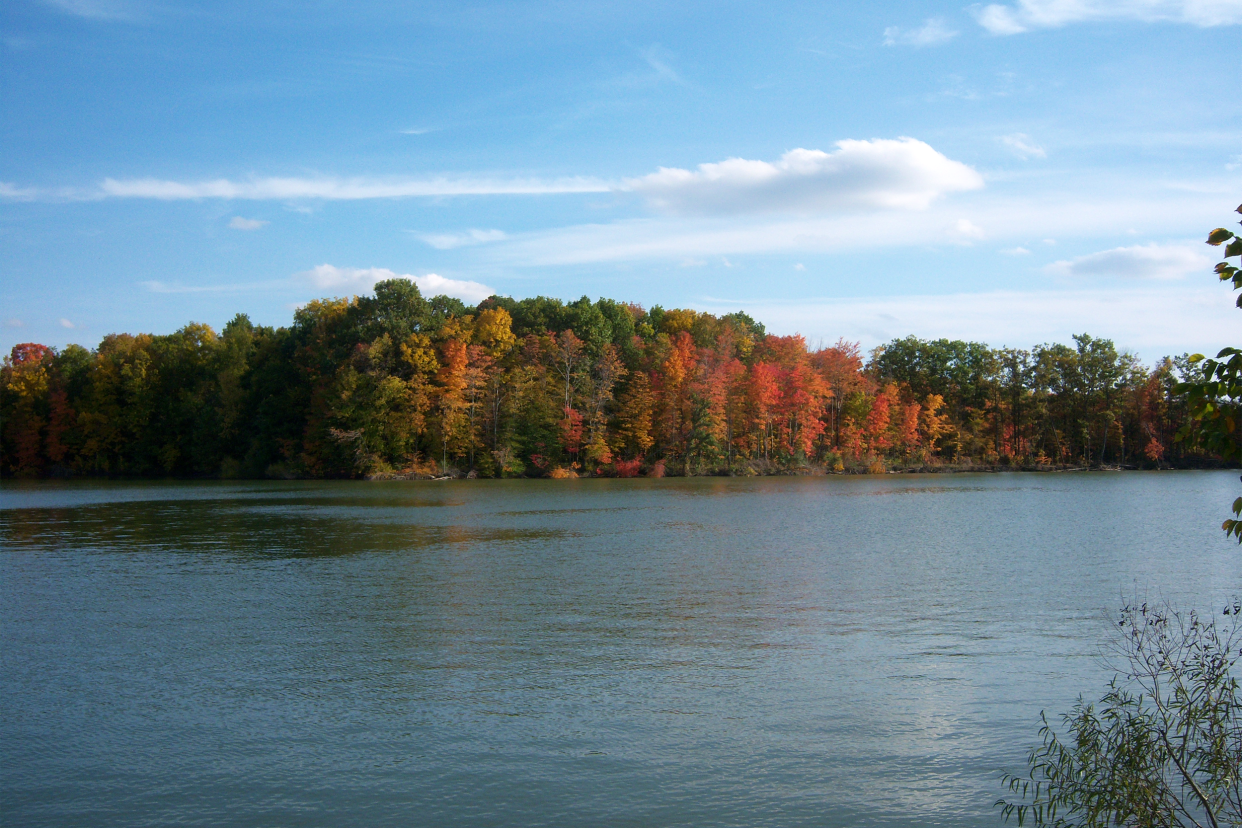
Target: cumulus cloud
903, 173
239, 223
350, 189
327, 277
1023, 146
1015, 251
449, 241
1026, 15
931, 33
14, 323
1147, 261
65, 323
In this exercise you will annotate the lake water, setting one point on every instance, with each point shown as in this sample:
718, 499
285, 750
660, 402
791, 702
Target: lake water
708, 652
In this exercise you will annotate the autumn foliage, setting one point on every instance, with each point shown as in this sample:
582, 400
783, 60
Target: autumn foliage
396, 384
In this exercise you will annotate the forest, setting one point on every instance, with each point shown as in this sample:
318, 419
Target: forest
398, 385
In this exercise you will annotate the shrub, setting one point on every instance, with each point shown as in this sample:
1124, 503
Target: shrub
1163, 747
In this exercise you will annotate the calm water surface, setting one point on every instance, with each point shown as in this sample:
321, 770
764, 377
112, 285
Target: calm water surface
773, 652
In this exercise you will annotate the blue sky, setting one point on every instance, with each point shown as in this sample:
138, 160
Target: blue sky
1012, 173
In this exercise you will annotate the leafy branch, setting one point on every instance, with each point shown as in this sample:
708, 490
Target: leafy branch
1164, 745
1215, 400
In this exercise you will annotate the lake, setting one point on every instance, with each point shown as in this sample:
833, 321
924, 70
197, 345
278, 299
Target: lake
840, 651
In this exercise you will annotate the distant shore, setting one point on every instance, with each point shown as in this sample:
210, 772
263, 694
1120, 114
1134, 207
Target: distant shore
659, 470
820, 471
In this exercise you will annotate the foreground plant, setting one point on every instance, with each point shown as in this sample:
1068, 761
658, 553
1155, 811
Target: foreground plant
1163, 747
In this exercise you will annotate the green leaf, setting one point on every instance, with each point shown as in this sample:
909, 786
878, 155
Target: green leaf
1234, 248
1219, 235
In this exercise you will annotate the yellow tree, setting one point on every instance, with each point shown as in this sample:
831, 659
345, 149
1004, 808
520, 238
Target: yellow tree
451, 404
604, 375
25, 400
634, 415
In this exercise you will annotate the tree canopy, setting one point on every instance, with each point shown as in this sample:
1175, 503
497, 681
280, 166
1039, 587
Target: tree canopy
394, 383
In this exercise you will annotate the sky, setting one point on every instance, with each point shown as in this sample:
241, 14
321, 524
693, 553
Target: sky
1011, 173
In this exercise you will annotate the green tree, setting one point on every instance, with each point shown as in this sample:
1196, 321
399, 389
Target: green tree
1215, 397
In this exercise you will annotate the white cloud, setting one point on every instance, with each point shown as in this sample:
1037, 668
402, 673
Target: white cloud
658, 60
449, 241
1147, 261
967, 230
12, 192
165, 287
658, 70
239, 223
434, 285
902, 173
327, 277
1023, 146
65, 323
14, 323
96, 9
1106, 210
799, 266
1151, 321
1015, 251
341, 189
932, 32
999, 20
1041, 14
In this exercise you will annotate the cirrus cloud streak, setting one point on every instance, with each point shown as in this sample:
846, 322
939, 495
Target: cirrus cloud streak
931, 33
338, 189
901, 173
1141, 261
1026, 15
1007, 220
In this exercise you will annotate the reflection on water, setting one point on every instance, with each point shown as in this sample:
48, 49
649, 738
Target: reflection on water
867, 651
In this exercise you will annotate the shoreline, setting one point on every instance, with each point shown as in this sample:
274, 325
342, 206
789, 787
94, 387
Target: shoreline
743, 472
804, 471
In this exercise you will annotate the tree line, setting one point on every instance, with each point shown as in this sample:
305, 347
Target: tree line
397, 384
